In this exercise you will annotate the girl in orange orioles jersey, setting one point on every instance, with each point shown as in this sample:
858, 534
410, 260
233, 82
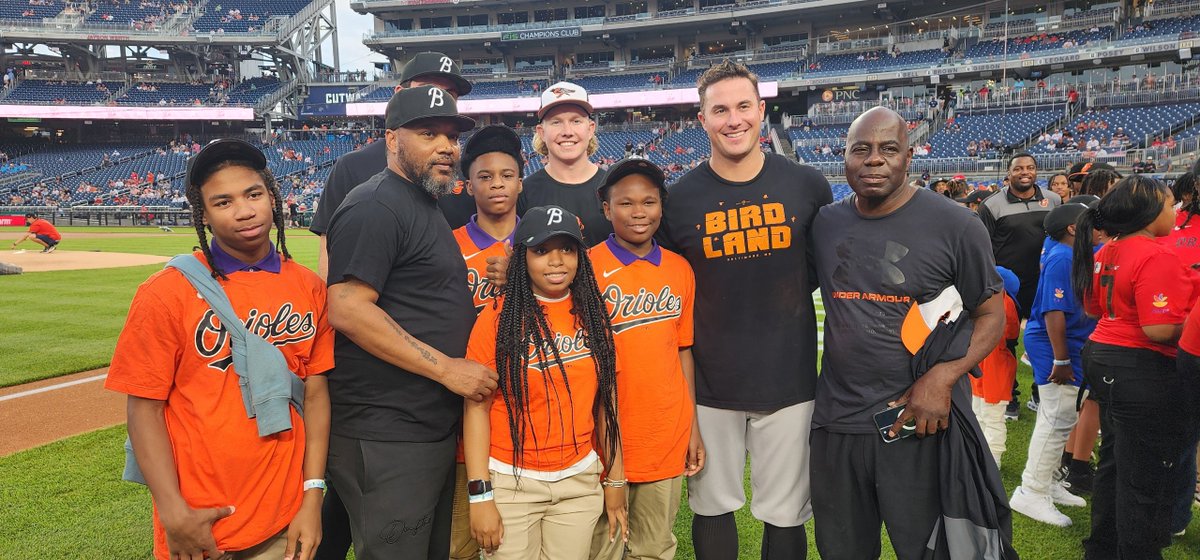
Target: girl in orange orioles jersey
491, 162
536, 487
218, 486
649, 293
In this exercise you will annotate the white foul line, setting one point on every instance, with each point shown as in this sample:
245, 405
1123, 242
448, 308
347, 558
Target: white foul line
53, 387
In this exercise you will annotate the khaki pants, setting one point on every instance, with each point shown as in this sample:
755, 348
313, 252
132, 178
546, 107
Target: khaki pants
548, 520
462, 544
270, 549
652, 510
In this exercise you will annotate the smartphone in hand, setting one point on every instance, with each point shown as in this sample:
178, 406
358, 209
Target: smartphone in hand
884, 420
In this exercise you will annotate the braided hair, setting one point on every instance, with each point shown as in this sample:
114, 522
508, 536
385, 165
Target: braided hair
523, 325
196, 201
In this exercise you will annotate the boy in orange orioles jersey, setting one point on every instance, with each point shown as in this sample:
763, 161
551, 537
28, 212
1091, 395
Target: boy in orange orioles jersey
221, 490
649, 293
491, 163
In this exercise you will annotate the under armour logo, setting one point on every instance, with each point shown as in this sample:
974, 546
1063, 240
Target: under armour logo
447, 64
436, 98
555, 216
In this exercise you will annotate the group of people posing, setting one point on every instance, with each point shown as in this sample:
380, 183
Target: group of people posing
529, 367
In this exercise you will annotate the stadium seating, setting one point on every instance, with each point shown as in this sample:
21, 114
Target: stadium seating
1018, 46
23, 11
123, 13
49, 92
251, 91
877, 61
1136, 122
177, 93
1170, 26
263, 10
1001, 128
618, 82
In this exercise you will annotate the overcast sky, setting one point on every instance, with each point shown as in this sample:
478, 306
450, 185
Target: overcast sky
351, 27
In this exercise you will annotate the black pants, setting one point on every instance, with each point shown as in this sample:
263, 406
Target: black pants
858, 481
398, 496
1145, 419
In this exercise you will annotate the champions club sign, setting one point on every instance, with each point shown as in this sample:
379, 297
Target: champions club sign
538, 34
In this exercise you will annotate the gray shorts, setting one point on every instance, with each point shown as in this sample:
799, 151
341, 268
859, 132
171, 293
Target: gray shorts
777, 444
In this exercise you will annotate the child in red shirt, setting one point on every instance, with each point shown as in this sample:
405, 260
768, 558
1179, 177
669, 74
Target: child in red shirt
43, 233
217, 485
1141, 293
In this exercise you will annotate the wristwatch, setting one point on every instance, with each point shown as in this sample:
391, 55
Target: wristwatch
478, 487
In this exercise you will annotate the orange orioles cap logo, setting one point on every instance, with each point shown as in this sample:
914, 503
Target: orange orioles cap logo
1160, 301
561, 91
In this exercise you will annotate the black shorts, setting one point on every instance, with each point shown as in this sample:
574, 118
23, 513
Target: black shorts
46, 239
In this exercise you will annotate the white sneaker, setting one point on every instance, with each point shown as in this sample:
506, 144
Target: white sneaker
1062, 497
1038, 508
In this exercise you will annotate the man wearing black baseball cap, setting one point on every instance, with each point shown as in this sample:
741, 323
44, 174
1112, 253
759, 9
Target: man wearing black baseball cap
397, 300
354, 168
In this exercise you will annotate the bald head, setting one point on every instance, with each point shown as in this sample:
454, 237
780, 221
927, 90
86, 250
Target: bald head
879, 119
877, 155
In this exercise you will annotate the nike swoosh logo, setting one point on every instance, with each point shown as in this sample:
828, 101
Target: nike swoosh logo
472, 255
608, 273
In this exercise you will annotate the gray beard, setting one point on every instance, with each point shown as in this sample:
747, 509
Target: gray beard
436, 187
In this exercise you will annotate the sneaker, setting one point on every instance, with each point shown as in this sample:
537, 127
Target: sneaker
46, 249
1013, 410
1038, 508
1032, 404
51, 248
1062, 497
1181, 533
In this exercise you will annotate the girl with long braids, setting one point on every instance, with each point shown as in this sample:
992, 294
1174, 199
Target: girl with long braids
535, 484
225, 476
1141, 293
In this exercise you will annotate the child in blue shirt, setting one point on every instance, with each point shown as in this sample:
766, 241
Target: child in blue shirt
1054, 337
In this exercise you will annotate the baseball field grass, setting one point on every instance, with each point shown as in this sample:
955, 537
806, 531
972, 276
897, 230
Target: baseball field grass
65, 500
61, 322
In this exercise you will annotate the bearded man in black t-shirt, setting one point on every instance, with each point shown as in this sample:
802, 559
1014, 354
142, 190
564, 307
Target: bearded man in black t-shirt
742, 221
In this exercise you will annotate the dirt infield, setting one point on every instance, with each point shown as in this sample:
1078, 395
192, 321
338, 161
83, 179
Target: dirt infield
91, 235
33, 260
44, 411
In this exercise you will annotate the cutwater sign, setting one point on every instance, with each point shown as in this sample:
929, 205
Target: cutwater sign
536, 34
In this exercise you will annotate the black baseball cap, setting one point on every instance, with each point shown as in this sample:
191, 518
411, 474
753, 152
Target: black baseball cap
630, 166
1085, 199
220, 150
492, 138
424, 102
543, 222
1081, 169
1059, 218
977, 196
435, 64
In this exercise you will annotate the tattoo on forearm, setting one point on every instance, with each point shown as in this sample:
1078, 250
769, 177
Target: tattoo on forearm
425, 353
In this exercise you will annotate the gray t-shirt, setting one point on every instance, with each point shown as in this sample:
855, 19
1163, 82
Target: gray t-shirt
872, 272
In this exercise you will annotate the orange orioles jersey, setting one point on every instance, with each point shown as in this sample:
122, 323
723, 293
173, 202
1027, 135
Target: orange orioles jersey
649, 302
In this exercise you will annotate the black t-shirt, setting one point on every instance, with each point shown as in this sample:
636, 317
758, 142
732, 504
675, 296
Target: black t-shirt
389, 234
354, 168
540, 189
873, 271
749, 245
1017, 235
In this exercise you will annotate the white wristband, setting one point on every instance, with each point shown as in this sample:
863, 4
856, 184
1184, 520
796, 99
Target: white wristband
314, 483
1062, 362
484, 497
